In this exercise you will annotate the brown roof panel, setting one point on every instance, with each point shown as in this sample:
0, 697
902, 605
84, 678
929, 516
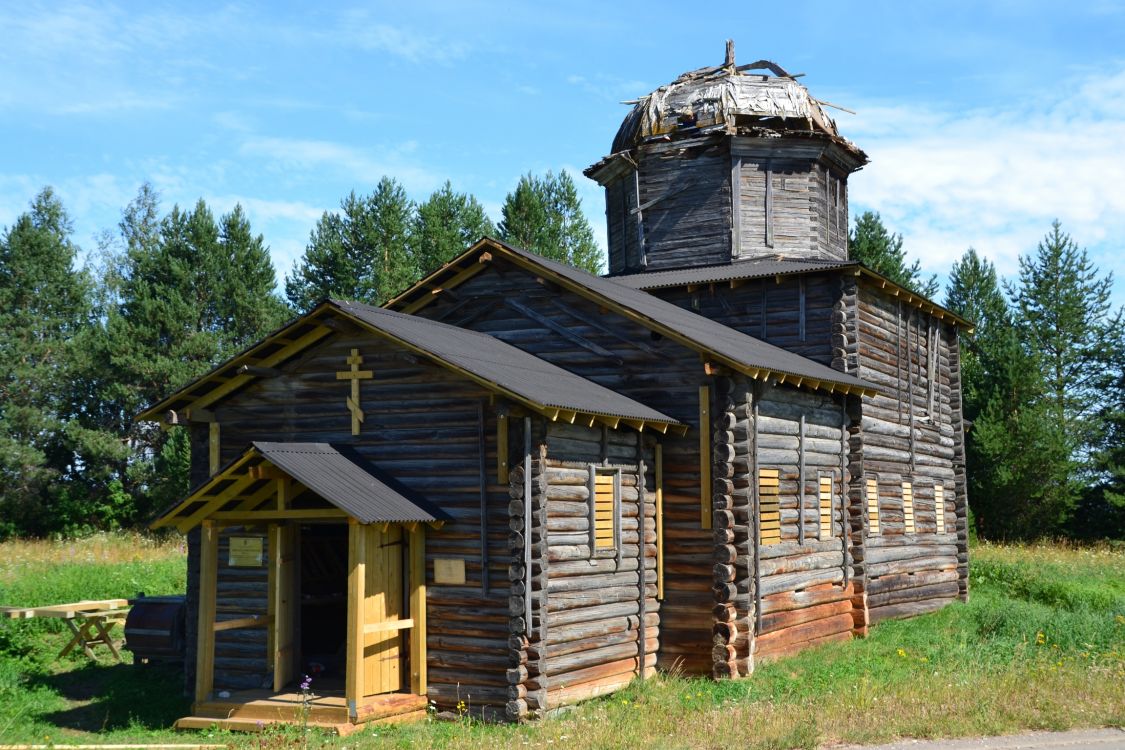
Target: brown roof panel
500, 363
722, 342
351, 483
738, 271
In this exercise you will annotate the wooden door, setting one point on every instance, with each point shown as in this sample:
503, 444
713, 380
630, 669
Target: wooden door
283, 601
383, 610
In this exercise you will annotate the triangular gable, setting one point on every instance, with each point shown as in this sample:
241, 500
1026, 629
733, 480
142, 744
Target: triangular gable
246, 490
500, 367
719, 344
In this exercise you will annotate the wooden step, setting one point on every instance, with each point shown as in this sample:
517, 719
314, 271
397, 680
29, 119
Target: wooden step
261, 710
255, 725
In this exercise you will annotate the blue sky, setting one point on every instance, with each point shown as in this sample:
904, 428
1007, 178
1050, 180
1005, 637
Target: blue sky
983, 121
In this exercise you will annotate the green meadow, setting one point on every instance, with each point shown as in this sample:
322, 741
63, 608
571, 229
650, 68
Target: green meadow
1040, 645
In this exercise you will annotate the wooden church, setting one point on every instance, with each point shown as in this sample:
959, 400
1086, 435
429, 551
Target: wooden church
518, 485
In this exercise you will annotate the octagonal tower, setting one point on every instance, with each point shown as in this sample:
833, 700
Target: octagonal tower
725, 164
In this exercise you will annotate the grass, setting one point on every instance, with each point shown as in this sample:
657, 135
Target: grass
1041, 645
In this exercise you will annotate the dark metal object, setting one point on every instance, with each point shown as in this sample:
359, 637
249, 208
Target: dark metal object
154, 628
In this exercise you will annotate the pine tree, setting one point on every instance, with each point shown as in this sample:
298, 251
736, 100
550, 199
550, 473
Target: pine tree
544, 215
974, 293
877, 248
45, 303
1065, 314
445, 225
192, 292
361, 253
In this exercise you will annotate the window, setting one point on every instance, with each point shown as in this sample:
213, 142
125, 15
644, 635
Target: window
873, 506
939, 507
907, 508
769, 505
825, 506
606, 502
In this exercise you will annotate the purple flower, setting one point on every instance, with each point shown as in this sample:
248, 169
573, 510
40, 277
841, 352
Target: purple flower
305, 683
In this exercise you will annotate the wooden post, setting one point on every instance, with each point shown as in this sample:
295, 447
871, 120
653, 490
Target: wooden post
482, 450
357, 574
418, 671
527, 523
705, 456
769, 207
284, 492
736, 206
659, 469
215, 455
801, 478
282, 597
208, 581
502, 446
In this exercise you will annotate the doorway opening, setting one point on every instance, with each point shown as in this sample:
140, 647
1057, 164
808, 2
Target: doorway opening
322, 617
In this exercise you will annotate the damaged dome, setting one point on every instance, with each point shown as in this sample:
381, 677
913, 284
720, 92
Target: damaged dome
726, 98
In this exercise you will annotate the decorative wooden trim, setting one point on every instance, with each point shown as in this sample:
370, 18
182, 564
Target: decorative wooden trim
769, 207
502, 446
939, 508
208, 584
705, 457
214, 450
357, 574
418, 667
482, 476
826, 482
769, 506
658, 459
801, 489
872, 491
736, 206
907, 508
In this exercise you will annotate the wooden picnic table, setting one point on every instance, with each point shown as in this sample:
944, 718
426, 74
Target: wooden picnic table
90, 622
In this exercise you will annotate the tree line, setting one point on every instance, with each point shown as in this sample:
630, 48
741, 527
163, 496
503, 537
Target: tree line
166, 296
1043, 381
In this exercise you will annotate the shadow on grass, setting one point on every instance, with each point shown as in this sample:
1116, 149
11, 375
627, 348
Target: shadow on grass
120, 696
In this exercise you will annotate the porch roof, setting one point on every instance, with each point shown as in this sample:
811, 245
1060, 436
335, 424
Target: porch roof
242, 490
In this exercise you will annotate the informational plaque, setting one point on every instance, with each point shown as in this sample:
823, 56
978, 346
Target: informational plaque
449, 571
245, 552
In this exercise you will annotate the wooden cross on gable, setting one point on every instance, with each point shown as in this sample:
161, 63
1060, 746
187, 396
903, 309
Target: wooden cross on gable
355, 375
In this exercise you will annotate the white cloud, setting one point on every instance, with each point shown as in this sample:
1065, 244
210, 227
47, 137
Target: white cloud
994, 178
358, 29
366, 166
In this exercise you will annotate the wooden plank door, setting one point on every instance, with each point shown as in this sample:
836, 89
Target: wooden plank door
383, 610
283, 600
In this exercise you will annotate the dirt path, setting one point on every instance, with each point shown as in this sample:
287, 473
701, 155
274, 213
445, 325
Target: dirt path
1081, 739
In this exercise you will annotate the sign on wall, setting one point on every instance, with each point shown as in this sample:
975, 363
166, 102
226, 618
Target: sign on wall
245, 552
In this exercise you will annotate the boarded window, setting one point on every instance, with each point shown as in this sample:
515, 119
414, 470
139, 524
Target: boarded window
769, 505
826, 507
907, 508
605, 508
939, 507
873, 506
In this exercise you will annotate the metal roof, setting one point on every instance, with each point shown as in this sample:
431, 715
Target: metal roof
496, 362
720, 341
351, 483
739, 270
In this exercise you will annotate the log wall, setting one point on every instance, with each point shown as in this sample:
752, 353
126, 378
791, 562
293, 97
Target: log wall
684, 219
422, 426
595, 621
772, 310
627, 358
910, 433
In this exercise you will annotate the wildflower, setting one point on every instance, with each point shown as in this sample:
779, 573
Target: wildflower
902, 652
306, 683
1119, 619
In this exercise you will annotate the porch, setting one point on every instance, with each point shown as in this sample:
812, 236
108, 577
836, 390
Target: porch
254, 710
329, 567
